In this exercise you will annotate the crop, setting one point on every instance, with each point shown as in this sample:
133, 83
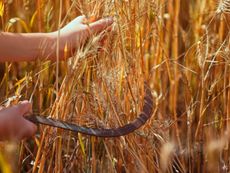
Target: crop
180, 47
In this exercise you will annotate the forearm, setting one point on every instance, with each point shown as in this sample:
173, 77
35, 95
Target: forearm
27, 46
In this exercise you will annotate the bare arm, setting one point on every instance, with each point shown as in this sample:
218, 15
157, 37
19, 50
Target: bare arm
29, 46
24, 47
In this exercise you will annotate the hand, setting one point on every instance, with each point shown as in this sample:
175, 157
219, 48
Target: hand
30, 46
76, 33
13, 126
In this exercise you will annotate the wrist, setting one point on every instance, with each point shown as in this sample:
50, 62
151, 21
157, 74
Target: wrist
59, 42
47, 47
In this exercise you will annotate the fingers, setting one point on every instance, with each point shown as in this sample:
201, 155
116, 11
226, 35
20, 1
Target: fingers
28, 130
100, 25
104, 37
13, 126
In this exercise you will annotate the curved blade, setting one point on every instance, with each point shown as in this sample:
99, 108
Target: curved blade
114, 132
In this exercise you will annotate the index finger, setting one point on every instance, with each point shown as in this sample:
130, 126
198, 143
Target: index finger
100, 25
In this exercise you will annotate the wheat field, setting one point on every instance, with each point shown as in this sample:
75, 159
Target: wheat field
180, 47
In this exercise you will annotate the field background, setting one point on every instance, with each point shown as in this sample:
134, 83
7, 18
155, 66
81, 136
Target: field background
181, 47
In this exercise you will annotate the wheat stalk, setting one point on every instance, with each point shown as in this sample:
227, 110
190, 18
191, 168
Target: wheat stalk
223, 6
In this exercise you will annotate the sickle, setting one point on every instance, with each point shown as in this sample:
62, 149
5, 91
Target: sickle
113, 132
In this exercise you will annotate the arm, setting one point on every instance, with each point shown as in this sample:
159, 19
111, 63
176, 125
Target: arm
24, 47
29, 46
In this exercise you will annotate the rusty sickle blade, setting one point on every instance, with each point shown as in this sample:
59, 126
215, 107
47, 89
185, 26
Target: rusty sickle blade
114, 132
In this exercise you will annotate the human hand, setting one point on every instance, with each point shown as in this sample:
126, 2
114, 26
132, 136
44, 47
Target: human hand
76, 33
13, 126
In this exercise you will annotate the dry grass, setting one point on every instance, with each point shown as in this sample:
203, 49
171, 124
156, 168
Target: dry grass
182, 49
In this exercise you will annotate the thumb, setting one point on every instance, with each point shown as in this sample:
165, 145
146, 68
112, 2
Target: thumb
79, 19
75, 22
24, 107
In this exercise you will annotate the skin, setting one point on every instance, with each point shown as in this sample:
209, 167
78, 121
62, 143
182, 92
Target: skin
13, 126
16, 47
